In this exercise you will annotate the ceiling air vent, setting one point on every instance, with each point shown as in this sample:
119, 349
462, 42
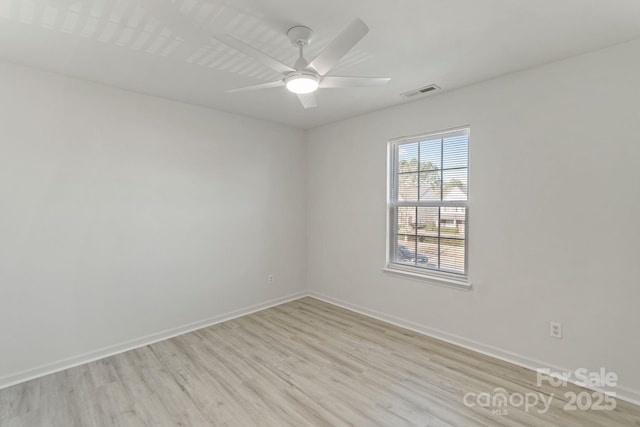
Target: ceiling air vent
426, 89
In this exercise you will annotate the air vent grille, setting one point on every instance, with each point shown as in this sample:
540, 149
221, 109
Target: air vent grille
420, 91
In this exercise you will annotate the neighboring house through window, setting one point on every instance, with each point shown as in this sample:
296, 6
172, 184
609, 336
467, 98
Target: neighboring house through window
427, 206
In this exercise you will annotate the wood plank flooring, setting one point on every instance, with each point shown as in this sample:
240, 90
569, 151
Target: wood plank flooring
304, 363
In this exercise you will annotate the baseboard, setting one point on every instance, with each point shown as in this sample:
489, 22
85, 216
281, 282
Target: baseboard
622, 393
70, 362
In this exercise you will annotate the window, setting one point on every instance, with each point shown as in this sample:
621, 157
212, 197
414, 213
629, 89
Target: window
427, 206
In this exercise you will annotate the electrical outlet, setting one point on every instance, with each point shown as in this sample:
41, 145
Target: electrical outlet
555, 329
271, 279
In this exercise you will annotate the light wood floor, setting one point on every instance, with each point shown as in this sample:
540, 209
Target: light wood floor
304, 363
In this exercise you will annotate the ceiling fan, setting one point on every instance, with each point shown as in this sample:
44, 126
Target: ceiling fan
305, 77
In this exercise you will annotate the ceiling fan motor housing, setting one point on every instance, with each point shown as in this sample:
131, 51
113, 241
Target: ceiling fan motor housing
300, 35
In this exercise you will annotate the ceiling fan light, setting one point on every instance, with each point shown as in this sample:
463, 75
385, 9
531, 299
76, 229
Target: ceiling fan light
302, 83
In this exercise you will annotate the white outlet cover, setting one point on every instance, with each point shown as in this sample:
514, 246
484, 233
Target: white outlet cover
555, 329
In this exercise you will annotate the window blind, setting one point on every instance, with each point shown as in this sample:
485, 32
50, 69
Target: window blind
429, 183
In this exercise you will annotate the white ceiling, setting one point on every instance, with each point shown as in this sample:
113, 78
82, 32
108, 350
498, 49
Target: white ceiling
163, 47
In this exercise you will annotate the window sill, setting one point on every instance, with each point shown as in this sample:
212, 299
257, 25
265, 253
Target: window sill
445, 280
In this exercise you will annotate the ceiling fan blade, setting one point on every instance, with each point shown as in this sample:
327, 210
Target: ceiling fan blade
257, 87
339, 46
336, 81
308, 100
240, 46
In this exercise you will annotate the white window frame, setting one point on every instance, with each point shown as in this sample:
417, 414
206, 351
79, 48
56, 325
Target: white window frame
431, 276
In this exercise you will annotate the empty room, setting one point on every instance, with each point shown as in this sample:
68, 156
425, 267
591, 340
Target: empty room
331, 213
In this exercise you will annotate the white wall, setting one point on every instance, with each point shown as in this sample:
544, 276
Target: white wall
555, 202
123, 215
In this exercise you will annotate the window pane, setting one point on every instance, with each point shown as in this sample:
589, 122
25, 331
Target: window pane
406, 220
452, 255
453, 232
428, 221
453, 222
430, 185
430, 154
427, 252
408, 186
406, 250
408, 157
455, 184
455, 152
